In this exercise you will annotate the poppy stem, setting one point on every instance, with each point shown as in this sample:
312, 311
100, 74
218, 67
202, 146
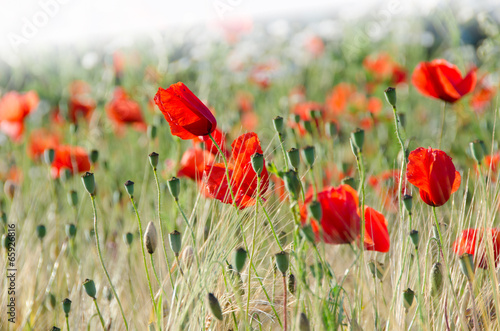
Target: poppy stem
361, 169
270, 223
253, 248
442, 124
191, 230
283, 150
92, 197
141, 236
474, 310
227, 170
100, 315
284, 302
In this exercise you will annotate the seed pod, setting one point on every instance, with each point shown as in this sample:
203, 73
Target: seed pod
150, 238
239, 259
390, 95
127, 238
291, 283
278, 124
66, 306
467, 265
308, 126
129, 186
282, 262
41, 231
49, 155
415, 238
309, 154
258, 163
304, 323
408, 202
315, 210
175, 242
152, 131
308, 233
153, 160
436, 279
71, 230
89, 286
293, 155
174, 186
477, 151
73, 198
349, 181
331, 129
89, 182
408, 296
214, 306
358, 138
94, 155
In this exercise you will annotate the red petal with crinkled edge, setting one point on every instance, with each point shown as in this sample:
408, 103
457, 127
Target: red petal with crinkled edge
376, 234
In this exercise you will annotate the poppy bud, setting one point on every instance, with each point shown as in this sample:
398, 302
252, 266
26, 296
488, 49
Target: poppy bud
304, 323
128, 238
467, 265
292, 184
282, 262
415, 238
308, 126
175, 242
41, 231
309, 154
408, 202
477, 151
65, 174
89, 286
291, 283
278, 124
436, 279
408, 296
358, 139
377, 269
49, 155
296, 118
308, 233
152, 132
150, 238
240, 257
66, 306
331, 129
293, 156
129, 186
153, 159
94, 155
55, 328
258, 163
349, 181
214, 305
174, 186
89, 182
73, 198
71, 230
73, 128
314, 208
390, 95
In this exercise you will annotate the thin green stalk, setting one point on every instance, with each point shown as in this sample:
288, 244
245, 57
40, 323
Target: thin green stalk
92, 197
253, 247
141, 236
190, 229
361, 169
161, 228
100, 315
283, 150
259, 201
67, 322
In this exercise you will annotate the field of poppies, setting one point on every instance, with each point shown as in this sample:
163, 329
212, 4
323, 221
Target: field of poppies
255, 179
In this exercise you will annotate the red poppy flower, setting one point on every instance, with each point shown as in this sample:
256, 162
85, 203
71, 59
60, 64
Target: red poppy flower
40, 140
73, 158
220, 139
81, 103
14, 107
386, 185
340, 220
383, 67
193, 163
303, 109
433, 172
187, 116
244, 100
242, 176
339, 97
122, 110
442, 80
467, 243
376, 234
261, 74
482, 96
315, 46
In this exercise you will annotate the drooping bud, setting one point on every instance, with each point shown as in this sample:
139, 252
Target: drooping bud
174, 186
358, 139
278, 124
175, 242
150, 238
66, 306
73, 198
415, 238
282, 262
304, 323
128, 238
315, 210
89, 286
390, 95
408, 296
309, 154
129, 186
94, 155
153, 159
293, 155
477, 150
41, 231
408, 202
71, 230
436, 279
292, 184
214, 306
49, 155
258, 163
89, 182
239, 259
467, 265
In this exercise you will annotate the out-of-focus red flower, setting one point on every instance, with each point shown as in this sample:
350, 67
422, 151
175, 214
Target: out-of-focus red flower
383, 67
376, 234
242, 176
297, 95
40, 140
262, 73
122, 111
118, 63
249, 121
332, 174
481, 98
338, 98
193, 163
187, 116
244, 100
73, 158
235, 27
491, 161
315, 46
467, 243
81, 103
433, 172
279, 188
375, 105
386, 185
14, 107
340, 220
303, 109
442, 80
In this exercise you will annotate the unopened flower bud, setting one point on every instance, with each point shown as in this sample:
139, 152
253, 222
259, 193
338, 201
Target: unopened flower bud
358, 139
66, 306
390, 95
49, 155
408, 296
240, 257
309, 154
94, 155
150, 238
71, 230
89, 286
89, 182
315, 210
214, 306
308, 126
73, 198
278, 124
175, 242
258, 163
349, 181
308, 233
174, 186
41, 231
376, 269
293, 155
152, 132
153, 159
292, 184
331, 129
477, 151
129, 186
128, 238
282, 262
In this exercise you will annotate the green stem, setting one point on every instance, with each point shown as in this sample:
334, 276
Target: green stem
283, 150
253, 247
361, 170
190, 229
143, 252
100, 315
92, 197
259, 201
67, 322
